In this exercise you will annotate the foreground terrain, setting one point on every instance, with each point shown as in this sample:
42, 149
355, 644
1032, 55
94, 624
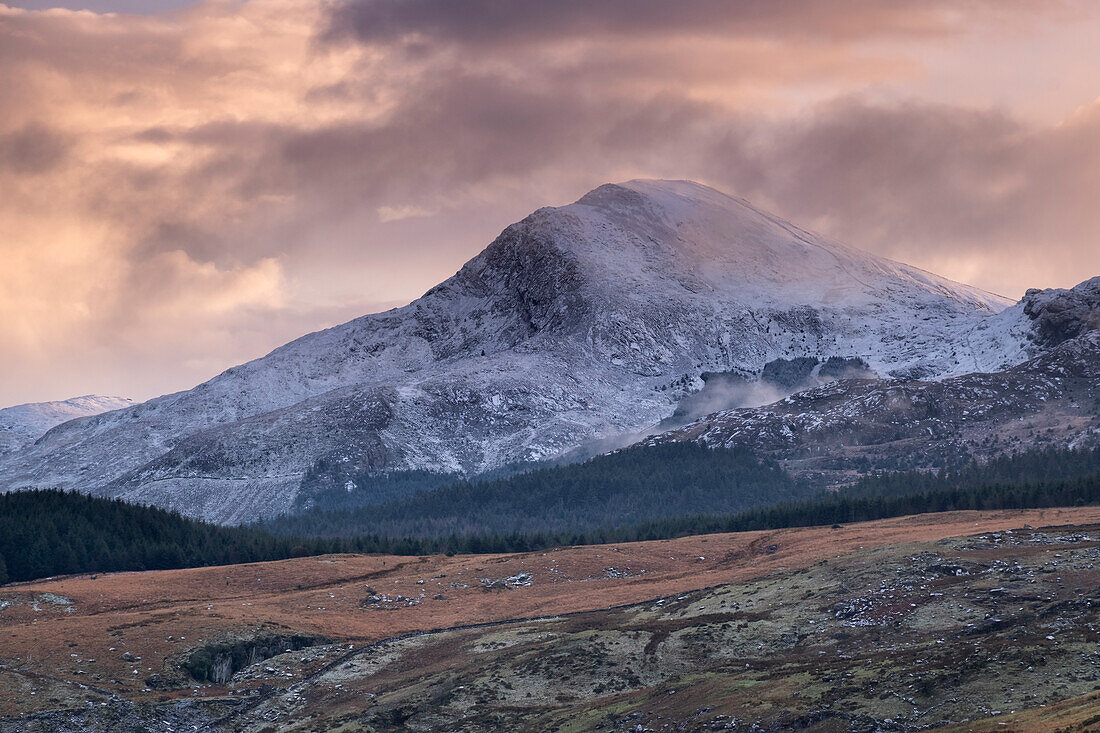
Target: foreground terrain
881, 625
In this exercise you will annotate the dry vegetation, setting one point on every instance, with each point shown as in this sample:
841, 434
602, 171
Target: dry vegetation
828, 628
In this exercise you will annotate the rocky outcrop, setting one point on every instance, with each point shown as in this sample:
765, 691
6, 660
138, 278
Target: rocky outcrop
218, 662
1059, 315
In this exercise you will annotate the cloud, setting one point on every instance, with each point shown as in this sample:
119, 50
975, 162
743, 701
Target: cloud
518, 22
32, 149
391, 213
189, 189
935, 184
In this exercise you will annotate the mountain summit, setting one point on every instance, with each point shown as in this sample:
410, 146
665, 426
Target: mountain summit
577, 324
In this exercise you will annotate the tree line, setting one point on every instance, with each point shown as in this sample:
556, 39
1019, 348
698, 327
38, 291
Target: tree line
649, 484
49, 532
626, 487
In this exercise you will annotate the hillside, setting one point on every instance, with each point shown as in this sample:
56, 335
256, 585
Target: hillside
54, 533
654, 492
848, 427
901, 624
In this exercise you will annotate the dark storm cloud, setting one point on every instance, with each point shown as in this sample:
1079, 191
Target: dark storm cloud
154, 135
914, 170
451, 132
510, 22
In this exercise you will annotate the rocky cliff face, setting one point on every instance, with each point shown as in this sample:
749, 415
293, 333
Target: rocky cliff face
577, 324
1059, 315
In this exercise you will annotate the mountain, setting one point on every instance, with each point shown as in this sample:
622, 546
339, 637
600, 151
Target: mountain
837, 427
23, 424
581, 323
849, 427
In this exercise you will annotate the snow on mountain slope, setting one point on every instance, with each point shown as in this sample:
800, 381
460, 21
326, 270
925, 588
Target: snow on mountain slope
22, 424
575, 324
831, 430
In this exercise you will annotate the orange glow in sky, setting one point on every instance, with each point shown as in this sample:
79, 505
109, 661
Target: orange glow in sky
184, 190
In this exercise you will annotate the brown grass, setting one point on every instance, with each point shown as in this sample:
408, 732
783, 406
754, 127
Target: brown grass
138, 612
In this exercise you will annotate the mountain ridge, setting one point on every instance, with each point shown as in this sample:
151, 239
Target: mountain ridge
576, 324
25, 423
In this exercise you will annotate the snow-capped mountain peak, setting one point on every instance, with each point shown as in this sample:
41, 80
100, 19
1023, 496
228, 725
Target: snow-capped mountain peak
576, 324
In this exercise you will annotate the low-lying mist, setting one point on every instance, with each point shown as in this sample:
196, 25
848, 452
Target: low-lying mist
779, 378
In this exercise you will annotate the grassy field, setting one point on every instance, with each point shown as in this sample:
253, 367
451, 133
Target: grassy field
881, 625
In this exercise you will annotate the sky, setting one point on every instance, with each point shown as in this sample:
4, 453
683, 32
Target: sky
185, 186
